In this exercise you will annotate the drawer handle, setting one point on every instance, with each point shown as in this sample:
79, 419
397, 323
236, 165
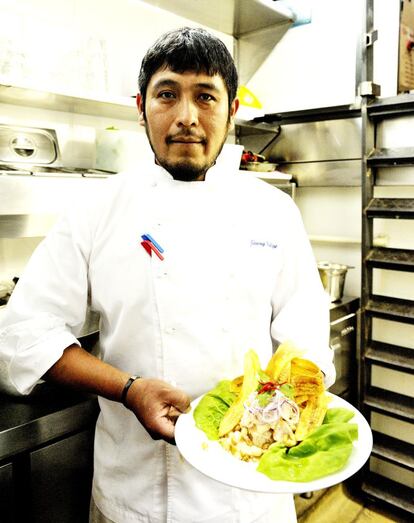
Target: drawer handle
336, 346
347, 330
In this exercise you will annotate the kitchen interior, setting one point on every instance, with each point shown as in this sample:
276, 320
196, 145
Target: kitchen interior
327, 116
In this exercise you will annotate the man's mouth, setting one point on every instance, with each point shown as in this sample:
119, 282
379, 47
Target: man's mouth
186, 140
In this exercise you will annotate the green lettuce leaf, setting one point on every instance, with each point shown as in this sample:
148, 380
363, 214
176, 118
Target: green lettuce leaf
212, 407
338, 415
325, 451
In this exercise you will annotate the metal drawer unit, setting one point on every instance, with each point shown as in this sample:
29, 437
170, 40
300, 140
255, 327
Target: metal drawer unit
386, 357
343, 342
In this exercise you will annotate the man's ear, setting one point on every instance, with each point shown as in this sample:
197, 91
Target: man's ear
232, 112
140, 105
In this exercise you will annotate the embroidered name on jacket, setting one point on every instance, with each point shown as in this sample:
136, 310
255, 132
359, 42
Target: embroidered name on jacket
258, 243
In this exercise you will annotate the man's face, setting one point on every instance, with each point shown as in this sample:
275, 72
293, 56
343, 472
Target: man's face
187, 120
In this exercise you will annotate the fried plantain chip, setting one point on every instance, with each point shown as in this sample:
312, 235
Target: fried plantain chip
306, 378
250, 383
304, 367
280, 359
311, 416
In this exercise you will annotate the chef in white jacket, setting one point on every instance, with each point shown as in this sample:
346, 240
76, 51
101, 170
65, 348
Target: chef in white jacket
189, 266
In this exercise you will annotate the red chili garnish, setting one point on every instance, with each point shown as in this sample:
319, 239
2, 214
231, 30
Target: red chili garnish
269, 385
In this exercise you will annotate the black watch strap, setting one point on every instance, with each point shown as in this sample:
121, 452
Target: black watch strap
126, 389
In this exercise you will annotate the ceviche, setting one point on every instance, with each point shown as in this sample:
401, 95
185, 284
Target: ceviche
279, 417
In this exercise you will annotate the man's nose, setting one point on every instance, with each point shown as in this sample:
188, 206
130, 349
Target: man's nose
187, 113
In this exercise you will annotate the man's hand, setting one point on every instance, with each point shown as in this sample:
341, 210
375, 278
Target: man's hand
157, 405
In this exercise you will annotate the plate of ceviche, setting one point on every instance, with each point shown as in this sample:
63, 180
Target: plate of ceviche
275, 430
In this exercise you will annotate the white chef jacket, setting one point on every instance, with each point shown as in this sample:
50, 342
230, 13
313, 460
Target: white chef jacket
238, 273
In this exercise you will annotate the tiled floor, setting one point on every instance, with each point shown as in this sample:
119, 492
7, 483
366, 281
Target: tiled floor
336, 505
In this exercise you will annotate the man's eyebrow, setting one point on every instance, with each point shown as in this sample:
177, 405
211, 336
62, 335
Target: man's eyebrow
167, 82
207, 85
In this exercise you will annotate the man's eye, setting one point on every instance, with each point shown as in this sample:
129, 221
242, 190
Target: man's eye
166, 95
205, 97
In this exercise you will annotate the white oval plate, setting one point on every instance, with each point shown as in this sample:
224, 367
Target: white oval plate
211, 459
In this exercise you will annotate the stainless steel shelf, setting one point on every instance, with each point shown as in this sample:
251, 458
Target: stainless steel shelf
387, 355
390, 403
391, 157
249, 127
393, 208
391, 259
393, 450
393, 106
122, 108
234, 17
391, 492
394, 309
25, 225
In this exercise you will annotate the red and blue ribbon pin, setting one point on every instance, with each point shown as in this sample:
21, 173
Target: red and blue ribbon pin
150, 245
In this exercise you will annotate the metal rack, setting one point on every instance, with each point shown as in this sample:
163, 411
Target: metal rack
393, 450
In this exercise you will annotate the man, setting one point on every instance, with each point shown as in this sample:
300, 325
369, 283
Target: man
189, 266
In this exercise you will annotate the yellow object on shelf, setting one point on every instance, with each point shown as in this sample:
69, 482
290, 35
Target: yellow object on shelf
247, 98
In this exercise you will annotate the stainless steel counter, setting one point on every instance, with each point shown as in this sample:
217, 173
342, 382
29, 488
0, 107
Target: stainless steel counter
348, 305
46, 456
53, 412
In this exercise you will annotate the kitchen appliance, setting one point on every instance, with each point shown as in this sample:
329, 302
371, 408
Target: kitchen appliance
30, 151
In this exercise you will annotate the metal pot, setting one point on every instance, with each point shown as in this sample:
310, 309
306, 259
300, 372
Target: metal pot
333, 278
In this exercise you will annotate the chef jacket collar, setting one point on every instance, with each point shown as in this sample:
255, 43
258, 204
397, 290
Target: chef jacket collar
215, 174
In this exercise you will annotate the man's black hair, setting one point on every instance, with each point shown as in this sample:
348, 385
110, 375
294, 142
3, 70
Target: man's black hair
189, 49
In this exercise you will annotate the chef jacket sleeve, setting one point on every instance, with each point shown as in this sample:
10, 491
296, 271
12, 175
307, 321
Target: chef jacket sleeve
300, 304
46, 310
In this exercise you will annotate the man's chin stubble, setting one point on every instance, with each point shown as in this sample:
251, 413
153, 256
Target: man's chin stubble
184, 171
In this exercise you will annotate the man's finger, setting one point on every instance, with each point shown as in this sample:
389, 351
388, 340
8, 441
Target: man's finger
179, 399
173, 413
